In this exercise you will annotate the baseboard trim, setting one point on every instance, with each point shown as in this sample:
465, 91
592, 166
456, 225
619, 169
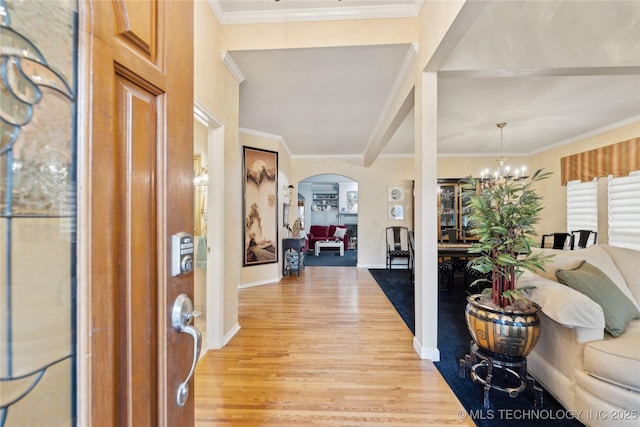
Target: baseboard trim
430, 353
258, 283
232, 332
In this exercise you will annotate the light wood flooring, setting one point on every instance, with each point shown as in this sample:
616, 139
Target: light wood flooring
327, 349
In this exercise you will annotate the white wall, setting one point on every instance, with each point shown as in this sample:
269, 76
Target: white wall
217, 90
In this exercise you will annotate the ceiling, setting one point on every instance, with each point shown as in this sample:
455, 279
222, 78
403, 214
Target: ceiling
554, 70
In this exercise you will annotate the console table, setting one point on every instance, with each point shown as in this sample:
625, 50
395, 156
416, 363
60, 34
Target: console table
292, 255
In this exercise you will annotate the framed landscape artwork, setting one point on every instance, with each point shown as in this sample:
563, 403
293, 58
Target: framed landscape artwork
260, 206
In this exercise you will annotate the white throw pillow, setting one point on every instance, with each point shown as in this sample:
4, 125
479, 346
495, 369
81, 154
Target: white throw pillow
340, 232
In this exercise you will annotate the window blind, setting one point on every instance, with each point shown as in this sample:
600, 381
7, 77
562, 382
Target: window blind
624, 211
582, 207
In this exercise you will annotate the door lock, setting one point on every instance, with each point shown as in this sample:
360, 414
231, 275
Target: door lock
181, 317
182, 253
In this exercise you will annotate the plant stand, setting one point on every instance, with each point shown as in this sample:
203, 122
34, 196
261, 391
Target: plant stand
495, 371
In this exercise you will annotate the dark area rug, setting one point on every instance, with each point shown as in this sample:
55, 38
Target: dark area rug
453, 343
397, 286
331, 258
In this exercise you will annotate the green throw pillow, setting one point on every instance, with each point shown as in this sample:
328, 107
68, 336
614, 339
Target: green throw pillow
589, 280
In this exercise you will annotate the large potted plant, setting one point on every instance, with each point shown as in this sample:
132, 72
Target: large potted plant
503, 214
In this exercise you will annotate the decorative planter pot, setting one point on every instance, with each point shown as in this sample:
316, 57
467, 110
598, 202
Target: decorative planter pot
504, 331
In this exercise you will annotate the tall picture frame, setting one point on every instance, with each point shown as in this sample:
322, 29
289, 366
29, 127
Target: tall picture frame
260, 206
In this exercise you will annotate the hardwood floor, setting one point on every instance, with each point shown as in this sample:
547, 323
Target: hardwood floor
326, 348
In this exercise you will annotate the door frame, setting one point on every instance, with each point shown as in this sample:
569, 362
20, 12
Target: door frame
214, 304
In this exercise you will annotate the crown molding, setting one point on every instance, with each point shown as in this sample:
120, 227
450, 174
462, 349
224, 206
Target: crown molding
228, 62
204, 115
260, 134
217, 9
317, 14
586, 135
277, 138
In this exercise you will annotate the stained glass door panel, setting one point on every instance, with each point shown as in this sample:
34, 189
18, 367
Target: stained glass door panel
37, 207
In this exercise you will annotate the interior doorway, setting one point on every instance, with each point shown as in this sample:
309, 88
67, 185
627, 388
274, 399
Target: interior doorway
330, 200
208, 150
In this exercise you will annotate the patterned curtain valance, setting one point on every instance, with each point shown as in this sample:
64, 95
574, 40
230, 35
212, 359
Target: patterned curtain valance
616, 159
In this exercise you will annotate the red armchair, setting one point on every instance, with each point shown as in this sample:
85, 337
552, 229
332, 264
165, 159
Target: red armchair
326, 232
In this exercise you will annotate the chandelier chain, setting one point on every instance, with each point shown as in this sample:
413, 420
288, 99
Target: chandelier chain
501, 125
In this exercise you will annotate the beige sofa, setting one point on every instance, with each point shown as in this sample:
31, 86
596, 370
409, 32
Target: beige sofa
593, 374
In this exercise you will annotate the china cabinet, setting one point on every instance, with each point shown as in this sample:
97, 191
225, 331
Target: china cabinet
453, 206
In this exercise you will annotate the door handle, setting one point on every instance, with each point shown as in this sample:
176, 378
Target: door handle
181, 317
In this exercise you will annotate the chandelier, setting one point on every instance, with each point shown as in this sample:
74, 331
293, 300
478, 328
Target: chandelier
503, 171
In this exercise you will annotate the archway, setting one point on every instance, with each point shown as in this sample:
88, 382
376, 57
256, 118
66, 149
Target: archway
330, 200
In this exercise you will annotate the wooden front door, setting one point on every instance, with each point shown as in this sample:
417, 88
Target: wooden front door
136, 136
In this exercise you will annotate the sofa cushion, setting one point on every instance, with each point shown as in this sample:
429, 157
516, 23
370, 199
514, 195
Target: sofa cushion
565, 305
618, 308
616, 360
593, 393
596, 255
321, 231
561, 260
628, 262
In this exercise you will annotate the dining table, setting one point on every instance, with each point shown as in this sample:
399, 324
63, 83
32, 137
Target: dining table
455, 250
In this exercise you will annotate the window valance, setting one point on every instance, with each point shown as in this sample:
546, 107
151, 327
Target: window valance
617, 159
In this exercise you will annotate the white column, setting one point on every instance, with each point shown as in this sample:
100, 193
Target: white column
426, 274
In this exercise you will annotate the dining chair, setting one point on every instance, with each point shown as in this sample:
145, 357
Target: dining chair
475, 275
398, 245
584, 238
445, 276
457, 264
452, 235
559, 240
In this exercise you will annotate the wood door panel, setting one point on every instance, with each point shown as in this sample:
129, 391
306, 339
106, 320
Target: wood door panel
137, 25
139, 176
136, 170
